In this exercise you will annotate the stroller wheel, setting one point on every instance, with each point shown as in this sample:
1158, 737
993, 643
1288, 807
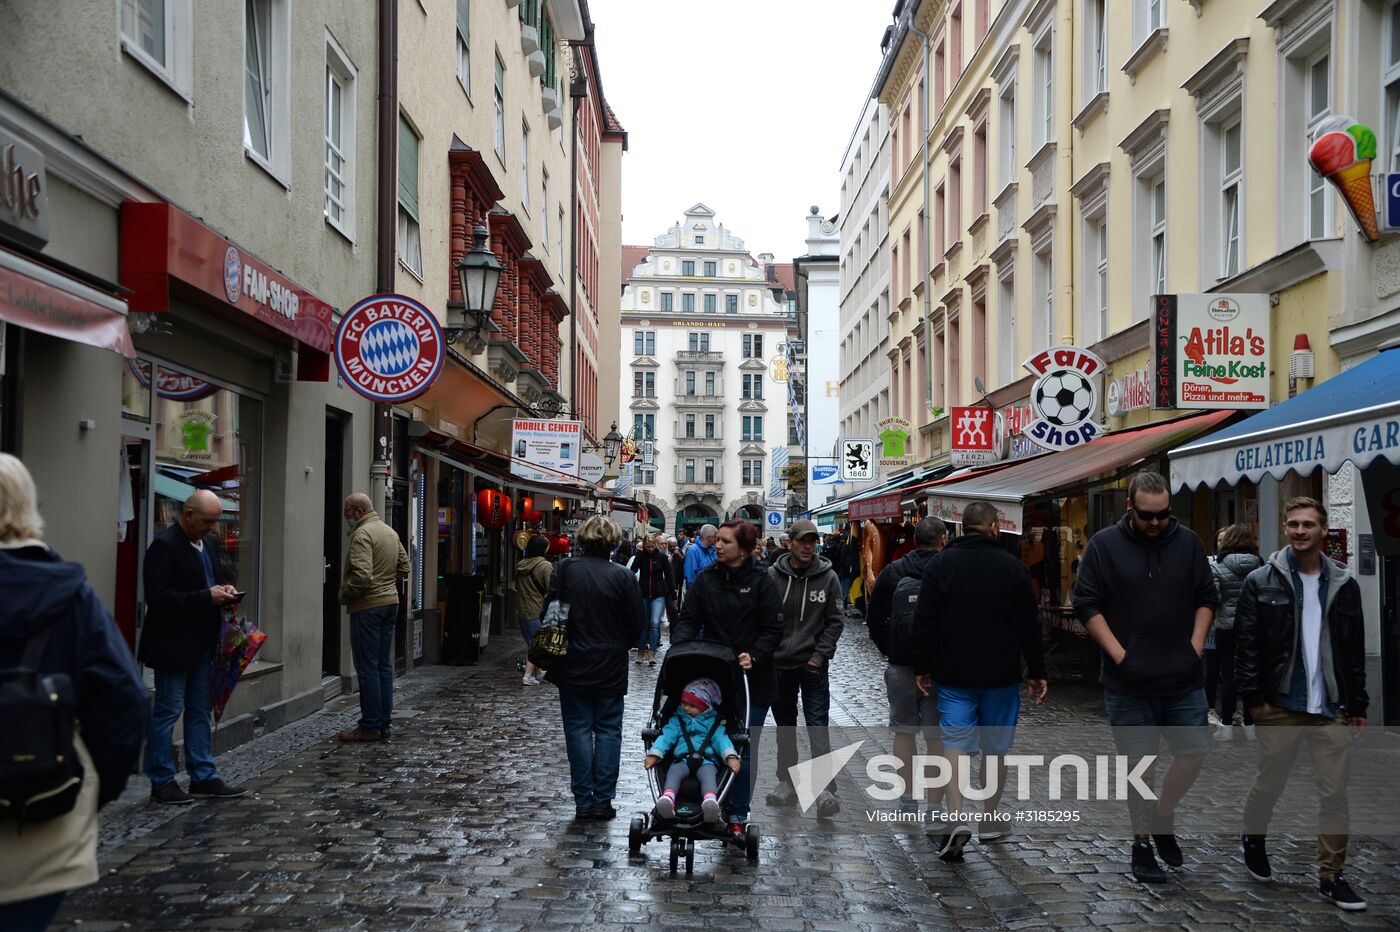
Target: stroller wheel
751, 842
689, 856
676, 845
634, 836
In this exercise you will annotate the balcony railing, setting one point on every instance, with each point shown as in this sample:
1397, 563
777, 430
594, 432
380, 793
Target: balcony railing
699, 356
697, 485
698, 443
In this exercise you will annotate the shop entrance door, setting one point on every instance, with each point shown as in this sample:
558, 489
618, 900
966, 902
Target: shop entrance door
332, 524
133, 531
1390, 639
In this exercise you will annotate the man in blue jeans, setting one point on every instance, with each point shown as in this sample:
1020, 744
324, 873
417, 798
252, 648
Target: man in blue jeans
184, 601
370, 590
1146, 594
975, 621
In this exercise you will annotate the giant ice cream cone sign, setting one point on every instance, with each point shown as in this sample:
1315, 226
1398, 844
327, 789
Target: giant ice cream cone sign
1341, 152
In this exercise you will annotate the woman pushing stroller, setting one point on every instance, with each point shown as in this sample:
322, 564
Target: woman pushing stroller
694, 743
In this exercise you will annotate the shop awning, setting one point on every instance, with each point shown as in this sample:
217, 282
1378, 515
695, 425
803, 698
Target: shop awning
493, 466
842, 505
1352, 417
1008, 487
38, 298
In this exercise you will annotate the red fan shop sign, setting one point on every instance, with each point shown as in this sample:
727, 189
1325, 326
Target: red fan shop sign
389, 348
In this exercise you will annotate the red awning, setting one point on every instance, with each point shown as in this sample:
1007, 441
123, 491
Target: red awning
38, 298
1008, 486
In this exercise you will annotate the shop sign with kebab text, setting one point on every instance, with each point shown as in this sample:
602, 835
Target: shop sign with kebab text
1210, 351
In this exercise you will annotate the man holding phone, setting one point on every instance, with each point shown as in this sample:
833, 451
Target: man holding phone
184, 601
370, 590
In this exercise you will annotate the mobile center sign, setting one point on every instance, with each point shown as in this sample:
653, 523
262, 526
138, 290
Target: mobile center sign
546, 451
1210, 351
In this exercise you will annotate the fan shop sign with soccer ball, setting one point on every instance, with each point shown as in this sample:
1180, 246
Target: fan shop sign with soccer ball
1064, 398
389, 348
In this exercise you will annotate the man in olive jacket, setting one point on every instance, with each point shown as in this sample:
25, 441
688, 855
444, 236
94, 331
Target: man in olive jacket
370, 590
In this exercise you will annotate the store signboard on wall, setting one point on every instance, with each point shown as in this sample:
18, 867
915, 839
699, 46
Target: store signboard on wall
1130, 393
1065, 397
973, 440
545, 451
896, 450
1210, 351
590, 468
389, 348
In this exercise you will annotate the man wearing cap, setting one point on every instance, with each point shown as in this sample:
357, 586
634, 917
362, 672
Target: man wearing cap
812, 624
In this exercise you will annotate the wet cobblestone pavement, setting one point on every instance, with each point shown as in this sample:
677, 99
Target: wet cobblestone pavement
463, 820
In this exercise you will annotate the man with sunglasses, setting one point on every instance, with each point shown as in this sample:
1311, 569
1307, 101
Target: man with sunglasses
1146, 595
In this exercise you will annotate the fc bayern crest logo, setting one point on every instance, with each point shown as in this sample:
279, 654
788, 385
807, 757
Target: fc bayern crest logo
1065, 397
389, 348
233, 274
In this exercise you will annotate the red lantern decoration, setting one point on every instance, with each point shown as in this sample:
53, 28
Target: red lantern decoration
527, 508
533, 517
492, 509
558, 545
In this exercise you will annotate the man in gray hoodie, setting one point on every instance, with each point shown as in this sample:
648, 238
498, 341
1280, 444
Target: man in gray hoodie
812, 624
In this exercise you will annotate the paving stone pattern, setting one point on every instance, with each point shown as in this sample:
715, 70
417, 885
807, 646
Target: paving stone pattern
463, 820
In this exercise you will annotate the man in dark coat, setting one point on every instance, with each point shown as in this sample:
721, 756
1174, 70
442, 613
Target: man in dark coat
184, 599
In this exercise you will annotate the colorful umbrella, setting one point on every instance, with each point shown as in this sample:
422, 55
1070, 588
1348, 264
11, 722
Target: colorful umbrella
239, 641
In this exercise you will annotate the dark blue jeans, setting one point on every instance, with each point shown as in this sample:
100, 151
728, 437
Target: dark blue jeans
372, 644
741, 797
651, 634
593, 739
814, 687
180, 693
30, 915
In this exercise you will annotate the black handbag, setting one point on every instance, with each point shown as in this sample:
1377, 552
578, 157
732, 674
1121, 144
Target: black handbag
550, 642
40, 774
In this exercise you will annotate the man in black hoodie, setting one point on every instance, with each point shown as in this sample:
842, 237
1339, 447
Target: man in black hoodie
976, 621
1147, 596
910, 710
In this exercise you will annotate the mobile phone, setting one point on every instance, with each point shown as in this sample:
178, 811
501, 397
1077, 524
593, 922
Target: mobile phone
238, 597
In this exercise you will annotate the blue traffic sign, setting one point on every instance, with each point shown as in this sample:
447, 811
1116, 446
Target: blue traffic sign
775, 519
1392, 201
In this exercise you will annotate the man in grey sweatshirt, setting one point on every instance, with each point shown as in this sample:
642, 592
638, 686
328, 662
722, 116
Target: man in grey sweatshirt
812, 624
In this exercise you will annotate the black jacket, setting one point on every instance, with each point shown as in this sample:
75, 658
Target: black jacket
653, 571
1268, 622
877, 608
1230, 571
182, 621
742, 607
678, 569
605, 621
1148, 591
977, 617
113, 707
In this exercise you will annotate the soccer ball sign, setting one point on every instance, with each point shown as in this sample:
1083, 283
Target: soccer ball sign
1064, 397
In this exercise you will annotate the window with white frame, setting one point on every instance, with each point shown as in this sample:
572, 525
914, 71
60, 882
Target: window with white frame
1319, 107
1100, 244
1231, 197
668, 299
711, 302
753, 472
690, 471
464, 44
710, 424
525, 166
690, 427
267, 85
1043, 298
1044, 113
499, 94
159, 35
731, 304
1390, 75
1148, 17
340, 139
1095, 55
1006, 135
644, 343
644, 426
646, 475
544, 205
1158, 236
410, 245
559, 242
1006, 326
688, 301
709, 470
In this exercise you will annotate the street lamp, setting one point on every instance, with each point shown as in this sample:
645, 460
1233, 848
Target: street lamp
478, 273
612, 444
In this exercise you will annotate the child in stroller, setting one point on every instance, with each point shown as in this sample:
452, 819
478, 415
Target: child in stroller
696, 724
682, 814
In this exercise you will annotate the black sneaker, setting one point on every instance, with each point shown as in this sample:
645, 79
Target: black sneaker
1164, 837
604, 812
953, 843
784, 794
1339, 893
1145, 869
1256, 859
216, 789
170, 793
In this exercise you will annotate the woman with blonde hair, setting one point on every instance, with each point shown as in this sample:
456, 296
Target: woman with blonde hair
605, 619
51, 622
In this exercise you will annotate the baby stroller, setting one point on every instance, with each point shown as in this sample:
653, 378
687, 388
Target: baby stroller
684, 662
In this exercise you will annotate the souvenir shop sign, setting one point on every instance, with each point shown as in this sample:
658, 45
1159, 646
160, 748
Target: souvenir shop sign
973, 440
896, 451
545, 451
1210, 351
881, 507
1065, 397
389, 348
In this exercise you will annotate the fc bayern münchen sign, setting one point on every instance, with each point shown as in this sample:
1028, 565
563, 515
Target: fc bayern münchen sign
389, 348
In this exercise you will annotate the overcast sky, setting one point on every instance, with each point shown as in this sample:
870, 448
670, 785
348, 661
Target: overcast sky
745, 105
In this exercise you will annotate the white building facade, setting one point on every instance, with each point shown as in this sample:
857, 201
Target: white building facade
819, 311
865, 275
701, 330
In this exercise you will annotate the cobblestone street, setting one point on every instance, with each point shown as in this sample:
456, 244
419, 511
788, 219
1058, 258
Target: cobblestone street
464, 820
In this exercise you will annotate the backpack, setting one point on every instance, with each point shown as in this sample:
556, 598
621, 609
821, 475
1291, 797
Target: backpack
40, 774
904, 605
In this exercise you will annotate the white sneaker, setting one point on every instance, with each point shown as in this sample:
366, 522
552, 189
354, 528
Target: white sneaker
1224, 732
666, 806
1249, 732
529, 680
710, 808
1213, 717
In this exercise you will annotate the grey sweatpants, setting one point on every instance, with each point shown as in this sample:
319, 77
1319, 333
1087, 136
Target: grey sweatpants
705, 773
